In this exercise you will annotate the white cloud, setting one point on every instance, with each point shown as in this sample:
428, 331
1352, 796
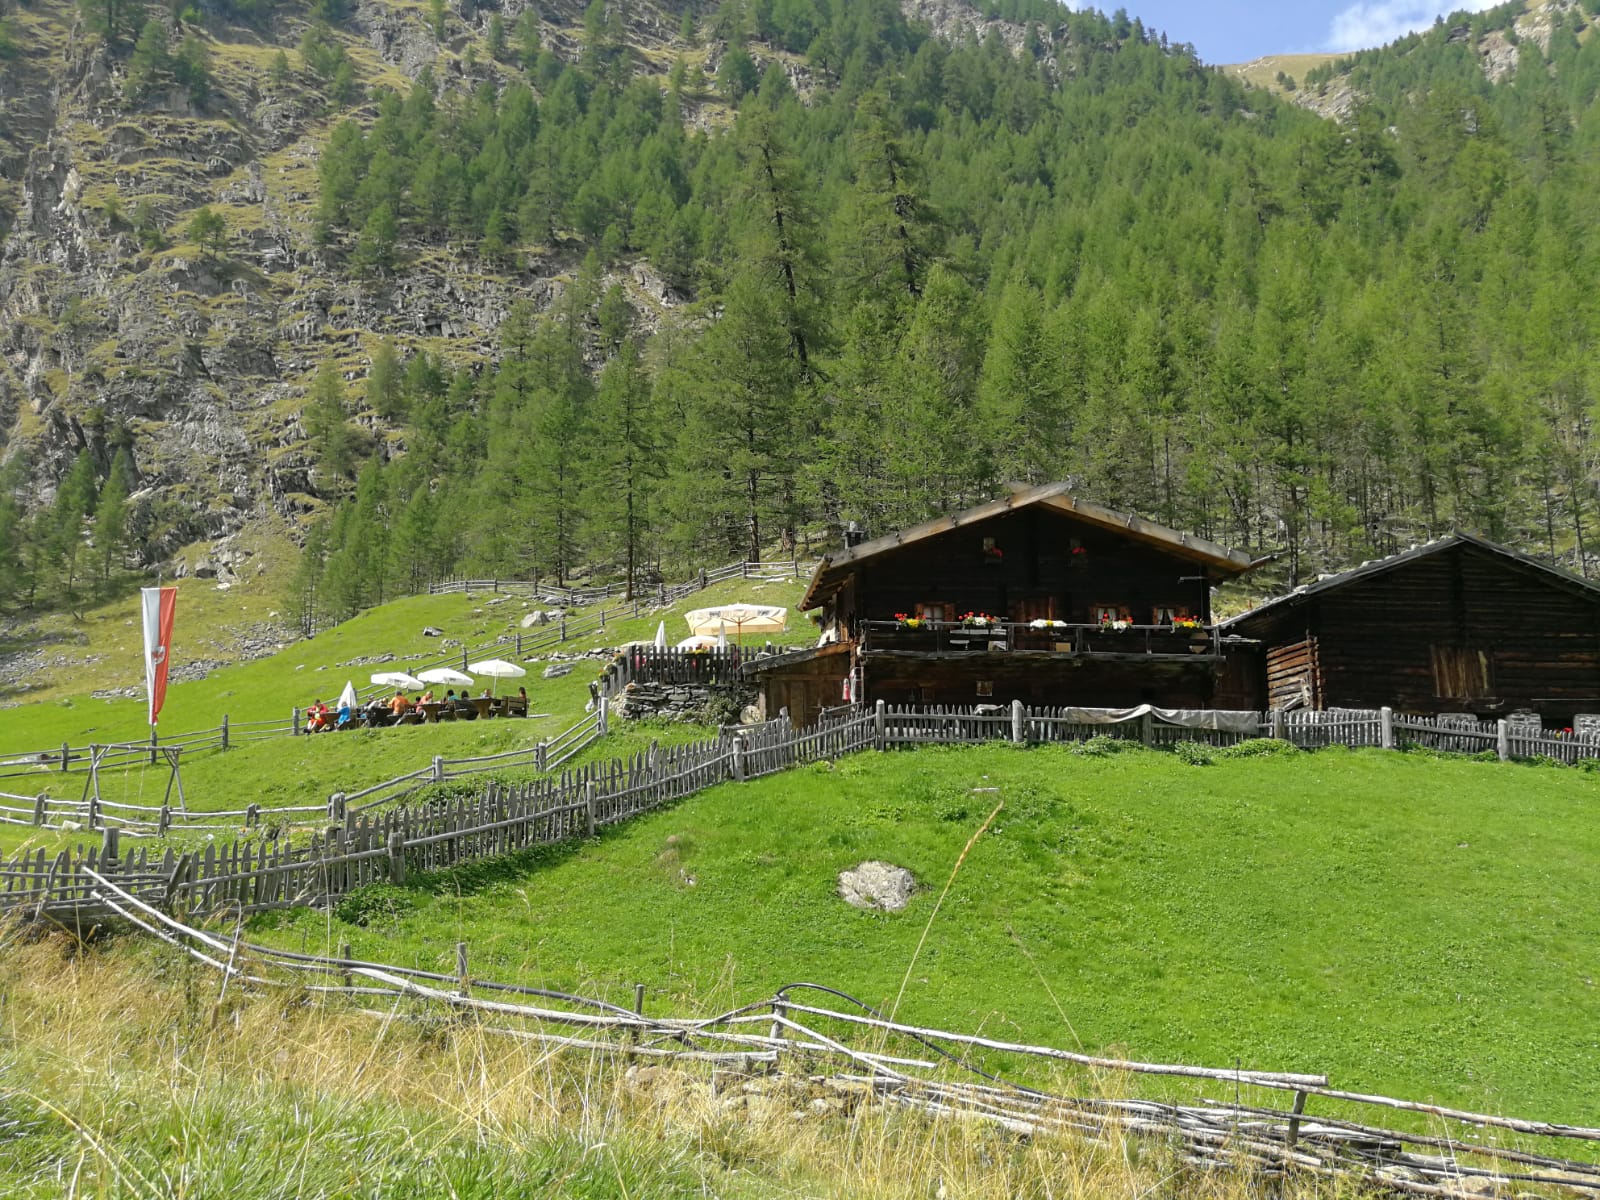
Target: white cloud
1370, 23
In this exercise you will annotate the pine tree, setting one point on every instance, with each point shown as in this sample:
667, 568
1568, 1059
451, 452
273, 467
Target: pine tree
625, 463
386, 382
75, 500
111, 515
208, 230
333, 441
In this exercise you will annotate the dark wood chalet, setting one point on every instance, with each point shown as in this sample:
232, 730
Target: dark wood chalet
1038, 596
1458, 625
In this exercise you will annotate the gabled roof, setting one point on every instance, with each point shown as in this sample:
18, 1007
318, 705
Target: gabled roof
835, 568
1368, 570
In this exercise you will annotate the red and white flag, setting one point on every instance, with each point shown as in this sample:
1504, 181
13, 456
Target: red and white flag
156, 608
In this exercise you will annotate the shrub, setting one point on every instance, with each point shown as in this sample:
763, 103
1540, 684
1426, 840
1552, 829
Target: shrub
1196, 754
376, 902
1258, 748
1102, 745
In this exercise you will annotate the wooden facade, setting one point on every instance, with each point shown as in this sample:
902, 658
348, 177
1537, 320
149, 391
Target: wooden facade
1038, 597
1458, 625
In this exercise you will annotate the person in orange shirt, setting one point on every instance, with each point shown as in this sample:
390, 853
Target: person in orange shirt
399, 704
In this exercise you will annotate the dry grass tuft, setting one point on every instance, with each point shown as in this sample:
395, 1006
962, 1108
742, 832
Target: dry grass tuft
128, 1074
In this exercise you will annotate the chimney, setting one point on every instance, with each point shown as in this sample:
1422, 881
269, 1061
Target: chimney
854, 535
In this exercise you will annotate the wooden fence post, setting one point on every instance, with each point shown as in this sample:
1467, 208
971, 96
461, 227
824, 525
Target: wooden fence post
438, 768
1019, 722
738, 759
1294, 1121
397, 857
463, 979
344, 957
224, 731
588, 809
563, 626
1502, 737
336, 807
66, 755
1147, 729
294, 721
539, 753
519, 644
252, 815
1278, 731
880, 726
463, 658
163, 820
603, 713
1386, 727
41, 808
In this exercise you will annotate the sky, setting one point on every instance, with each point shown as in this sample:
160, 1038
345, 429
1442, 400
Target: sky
1231, 31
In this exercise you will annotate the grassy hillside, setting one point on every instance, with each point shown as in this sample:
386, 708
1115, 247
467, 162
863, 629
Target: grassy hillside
1405, 924
282, 771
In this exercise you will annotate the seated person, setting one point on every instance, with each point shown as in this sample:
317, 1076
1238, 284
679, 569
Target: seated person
518, 704
346, 717
400, 705
465, 708
376, 714
427, 697
316, 717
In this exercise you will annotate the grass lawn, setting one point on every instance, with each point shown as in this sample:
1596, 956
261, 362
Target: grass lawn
1411, 925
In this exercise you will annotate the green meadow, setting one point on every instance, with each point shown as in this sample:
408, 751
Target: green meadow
1406, 924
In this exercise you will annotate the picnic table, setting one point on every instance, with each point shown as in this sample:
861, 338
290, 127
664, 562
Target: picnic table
431, 710
483, 705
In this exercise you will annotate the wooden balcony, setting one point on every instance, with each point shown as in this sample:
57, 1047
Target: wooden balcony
1055, 640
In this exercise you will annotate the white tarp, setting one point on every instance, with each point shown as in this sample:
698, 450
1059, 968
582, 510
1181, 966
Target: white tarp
1233, 721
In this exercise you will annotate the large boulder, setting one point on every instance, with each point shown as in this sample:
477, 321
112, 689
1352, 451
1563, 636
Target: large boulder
876, 885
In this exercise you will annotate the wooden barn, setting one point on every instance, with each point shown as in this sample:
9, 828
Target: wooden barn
1458, 625
1038, 596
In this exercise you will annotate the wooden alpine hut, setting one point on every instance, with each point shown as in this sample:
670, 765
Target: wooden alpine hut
1460, 624
1038, 596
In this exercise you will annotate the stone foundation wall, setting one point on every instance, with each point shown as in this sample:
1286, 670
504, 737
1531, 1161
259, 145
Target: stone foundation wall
708, 704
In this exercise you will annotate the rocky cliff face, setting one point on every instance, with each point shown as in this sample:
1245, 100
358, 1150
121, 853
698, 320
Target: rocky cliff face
197, 360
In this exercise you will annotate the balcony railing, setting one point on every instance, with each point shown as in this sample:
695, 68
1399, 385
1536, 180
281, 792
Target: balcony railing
1049, 637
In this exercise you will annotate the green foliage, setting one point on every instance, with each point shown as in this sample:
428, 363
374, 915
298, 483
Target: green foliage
111, 19
1101, 745
1195, 754
1259, 748
332, 438
208, 230
375, 904
386, 382
147, 225
736, 74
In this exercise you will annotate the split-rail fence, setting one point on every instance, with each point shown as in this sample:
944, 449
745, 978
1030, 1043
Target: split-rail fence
807, 1037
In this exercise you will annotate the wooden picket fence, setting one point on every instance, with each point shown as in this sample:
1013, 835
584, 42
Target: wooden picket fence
368, 846
362, 844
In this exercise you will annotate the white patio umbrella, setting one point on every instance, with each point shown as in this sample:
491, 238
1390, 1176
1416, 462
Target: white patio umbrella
398, 679
444, 675
745, 618
496, 669
722, 636
661, 636
347, 698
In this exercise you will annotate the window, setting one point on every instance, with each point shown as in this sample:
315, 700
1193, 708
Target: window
985, 687
1105, 614
1460, 673
936, 612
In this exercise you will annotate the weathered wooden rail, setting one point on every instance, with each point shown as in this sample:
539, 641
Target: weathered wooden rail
806, 1036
